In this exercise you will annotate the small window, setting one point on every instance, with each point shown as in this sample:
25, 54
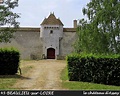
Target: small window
51, 31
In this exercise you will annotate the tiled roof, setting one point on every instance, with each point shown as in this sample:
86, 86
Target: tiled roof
29, 29
51, 20
69, 29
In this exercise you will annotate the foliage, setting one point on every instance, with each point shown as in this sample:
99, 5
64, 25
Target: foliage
7, 82
74, 85
100, 69
9, 61
8, 23
100, 32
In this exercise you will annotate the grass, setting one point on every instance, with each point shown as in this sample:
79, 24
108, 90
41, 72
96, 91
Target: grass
73, 85
7, 81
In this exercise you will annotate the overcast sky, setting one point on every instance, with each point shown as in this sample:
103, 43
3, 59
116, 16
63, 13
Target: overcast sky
33, 12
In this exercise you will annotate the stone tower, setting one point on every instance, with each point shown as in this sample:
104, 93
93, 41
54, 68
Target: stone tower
51, 33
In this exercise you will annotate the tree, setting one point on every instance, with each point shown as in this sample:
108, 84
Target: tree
100, 32
8, 22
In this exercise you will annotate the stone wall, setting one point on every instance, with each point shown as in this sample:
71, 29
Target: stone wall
67, 42
30, 45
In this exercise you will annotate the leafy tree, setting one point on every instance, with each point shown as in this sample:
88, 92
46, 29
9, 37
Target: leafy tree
100, 32
8, 23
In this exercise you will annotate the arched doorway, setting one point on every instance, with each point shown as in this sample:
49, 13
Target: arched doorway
50, 53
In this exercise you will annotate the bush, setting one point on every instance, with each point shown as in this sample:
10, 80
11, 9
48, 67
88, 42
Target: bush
9, 61
94, 68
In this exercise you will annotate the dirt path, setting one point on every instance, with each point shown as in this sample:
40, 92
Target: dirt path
44, 75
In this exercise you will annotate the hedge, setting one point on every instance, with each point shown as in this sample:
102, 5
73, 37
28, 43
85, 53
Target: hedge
94, 68
9, 61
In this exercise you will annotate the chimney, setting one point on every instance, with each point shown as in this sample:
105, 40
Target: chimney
75, 23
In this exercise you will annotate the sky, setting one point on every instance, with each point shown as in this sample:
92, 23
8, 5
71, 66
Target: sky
33, 12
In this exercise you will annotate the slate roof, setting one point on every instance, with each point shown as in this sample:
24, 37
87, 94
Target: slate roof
52, 20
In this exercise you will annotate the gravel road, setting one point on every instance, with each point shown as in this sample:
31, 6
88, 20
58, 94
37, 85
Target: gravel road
44, 75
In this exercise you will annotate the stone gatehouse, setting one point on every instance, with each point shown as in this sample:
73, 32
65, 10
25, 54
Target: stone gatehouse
50, 41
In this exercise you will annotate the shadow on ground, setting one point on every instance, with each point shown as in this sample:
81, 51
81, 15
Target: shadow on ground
14, 76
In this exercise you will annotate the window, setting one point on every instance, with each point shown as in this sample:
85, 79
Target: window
57, 27
51, 31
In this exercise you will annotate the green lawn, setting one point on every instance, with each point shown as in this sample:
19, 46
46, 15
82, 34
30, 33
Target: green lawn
73, 85
7, 81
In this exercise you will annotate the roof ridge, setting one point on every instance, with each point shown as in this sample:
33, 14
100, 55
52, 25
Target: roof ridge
51, 20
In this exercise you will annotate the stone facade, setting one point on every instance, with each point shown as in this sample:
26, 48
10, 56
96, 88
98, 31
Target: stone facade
51, 41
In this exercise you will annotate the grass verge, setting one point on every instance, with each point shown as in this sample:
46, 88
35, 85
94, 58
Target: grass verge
73, 85
7, 81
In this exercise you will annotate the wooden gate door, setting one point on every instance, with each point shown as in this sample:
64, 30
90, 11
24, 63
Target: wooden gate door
50, 53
